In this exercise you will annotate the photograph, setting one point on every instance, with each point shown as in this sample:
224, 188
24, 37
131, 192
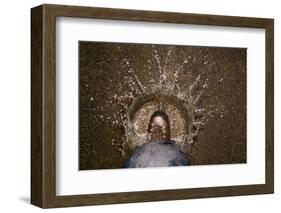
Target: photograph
161, 105
143, 105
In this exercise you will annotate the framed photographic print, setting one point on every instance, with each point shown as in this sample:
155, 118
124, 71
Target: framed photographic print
136, 106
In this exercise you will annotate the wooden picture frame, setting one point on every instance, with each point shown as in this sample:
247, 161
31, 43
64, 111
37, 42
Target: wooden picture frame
43, 105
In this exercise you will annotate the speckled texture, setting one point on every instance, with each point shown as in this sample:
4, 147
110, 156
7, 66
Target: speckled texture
202, 90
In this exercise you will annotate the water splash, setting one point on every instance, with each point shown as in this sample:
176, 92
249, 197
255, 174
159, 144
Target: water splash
142, 99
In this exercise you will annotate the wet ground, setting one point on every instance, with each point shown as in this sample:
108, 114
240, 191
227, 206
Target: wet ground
202, 90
